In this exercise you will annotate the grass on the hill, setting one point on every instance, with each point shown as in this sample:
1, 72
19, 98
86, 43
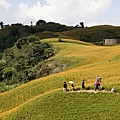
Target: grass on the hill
83, 61
70, 106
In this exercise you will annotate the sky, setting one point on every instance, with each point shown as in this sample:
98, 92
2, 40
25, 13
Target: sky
67, 12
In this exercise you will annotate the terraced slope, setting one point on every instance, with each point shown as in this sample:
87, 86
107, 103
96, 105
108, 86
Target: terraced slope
83, 60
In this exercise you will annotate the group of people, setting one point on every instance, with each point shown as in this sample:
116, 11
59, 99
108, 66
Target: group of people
65, 86
98, 85
72, 85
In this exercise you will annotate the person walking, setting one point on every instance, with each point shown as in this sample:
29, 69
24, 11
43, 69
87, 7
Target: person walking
72, 85
83, 84
97, 84
64, 87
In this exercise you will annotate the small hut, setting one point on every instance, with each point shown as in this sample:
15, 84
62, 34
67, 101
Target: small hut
111, 41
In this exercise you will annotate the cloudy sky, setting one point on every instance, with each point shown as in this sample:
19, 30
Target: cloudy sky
68, 12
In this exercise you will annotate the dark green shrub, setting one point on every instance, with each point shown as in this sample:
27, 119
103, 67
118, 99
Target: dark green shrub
33, 38
8, 72
26, 40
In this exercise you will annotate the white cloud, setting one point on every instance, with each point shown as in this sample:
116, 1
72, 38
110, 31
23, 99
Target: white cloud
4, 4
68, 12
20, 15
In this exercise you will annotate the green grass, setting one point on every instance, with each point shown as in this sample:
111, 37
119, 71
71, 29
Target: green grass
42, 98
70, 106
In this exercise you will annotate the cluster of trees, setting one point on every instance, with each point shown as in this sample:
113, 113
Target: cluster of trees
10, 34
22, 56
22, 62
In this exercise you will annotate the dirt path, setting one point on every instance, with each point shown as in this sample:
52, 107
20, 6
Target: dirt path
92, 91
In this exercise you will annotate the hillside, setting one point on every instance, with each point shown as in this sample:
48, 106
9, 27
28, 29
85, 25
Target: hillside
94, 34
10, 34
43, 98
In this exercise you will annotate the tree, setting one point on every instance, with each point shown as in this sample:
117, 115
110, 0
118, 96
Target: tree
82, 24
31, 23
1, 24
40, 22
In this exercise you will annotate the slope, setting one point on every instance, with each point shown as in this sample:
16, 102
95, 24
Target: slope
83, 60
69, 106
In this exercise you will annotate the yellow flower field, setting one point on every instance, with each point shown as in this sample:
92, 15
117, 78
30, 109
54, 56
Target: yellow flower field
83, 60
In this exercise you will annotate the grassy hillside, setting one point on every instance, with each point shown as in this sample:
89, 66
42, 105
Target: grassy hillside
69, 106
43, 98
94, 34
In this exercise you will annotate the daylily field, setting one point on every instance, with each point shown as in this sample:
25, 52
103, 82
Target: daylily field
43, 99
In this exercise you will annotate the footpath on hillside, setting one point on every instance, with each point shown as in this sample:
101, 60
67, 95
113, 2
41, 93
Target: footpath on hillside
90, 91
93, 91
